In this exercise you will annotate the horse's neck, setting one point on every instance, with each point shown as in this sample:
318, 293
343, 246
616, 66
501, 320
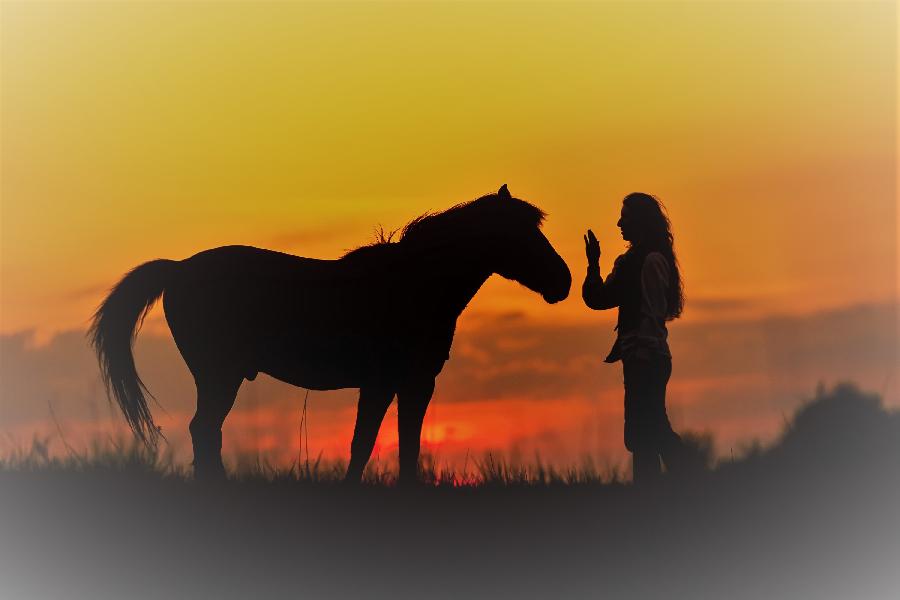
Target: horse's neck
463, 289
450, 280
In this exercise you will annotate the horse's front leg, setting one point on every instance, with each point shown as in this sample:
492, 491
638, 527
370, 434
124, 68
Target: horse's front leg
373, 403
412, 402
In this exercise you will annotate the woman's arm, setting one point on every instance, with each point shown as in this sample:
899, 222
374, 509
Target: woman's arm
596, 293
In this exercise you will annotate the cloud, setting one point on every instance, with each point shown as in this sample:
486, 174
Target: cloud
713, 303
524, 359
734, 377
60, 372
63, 373
857, 342
723, 306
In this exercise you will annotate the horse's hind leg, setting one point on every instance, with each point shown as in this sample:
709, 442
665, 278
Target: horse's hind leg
373, 403
215, 397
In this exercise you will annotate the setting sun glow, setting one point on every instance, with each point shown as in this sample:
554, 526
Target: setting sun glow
135, 131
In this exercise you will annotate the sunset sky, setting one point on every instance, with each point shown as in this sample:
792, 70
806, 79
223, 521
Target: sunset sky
132, 131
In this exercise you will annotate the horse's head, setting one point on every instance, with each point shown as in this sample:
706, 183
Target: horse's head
521, 252
494, 234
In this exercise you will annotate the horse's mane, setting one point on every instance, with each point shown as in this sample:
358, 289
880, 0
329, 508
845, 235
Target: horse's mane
485, 214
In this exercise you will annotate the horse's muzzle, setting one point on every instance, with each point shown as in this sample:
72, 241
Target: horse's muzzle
554, 298
560, 291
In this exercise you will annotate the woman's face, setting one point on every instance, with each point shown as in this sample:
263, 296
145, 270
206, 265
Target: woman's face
628, 226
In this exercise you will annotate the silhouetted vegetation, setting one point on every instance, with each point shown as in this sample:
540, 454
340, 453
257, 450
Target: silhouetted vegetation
814, 515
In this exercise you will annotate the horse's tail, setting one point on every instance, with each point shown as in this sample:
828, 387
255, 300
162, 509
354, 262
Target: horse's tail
112, 333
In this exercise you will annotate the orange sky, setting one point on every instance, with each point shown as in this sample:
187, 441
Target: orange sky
135, 131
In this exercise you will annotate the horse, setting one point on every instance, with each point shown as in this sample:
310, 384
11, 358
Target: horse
381, 318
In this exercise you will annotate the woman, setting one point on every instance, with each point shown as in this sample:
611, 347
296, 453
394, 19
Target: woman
645, 284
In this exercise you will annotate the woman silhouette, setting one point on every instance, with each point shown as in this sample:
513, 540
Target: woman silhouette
645, 284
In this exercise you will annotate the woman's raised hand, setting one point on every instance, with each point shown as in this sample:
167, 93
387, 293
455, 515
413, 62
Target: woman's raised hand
591, 247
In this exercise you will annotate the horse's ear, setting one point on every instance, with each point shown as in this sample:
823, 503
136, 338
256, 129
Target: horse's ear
503, 193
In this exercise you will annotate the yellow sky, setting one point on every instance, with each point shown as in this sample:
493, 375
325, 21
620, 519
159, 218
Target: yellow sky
137, 130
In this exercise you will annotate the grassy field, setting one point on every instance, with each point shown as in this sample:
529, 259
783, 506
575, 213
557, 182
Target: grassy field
813, 516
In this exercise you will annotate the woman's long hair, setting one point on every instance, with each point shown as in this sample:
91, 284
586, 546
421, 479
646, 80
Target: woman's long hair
656, 236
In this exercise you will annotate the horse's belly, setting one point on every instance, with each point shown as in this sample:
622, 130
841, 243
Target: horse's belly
329, 367
316, 365
314, 377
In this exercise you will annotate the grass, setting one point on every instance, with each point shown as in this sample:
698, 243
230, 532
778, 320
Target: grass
102, 456
126, 457
815, 515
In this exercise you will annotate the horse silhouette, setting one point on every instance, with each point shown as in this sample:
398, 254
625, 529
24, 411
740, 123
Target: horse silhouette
381, 318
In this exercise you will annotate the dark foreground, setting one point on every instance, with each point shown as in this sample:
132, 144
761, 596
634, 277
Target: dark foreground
815, 516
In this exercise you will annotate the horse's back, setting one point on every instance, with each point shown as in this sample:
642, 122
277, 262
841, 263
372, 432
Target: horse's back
233, 282
248, 260
269, 311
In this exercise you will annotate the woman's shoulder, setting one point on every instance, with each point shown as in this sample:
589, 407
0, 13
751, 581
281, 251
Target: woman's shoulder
635, 260
656, 261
